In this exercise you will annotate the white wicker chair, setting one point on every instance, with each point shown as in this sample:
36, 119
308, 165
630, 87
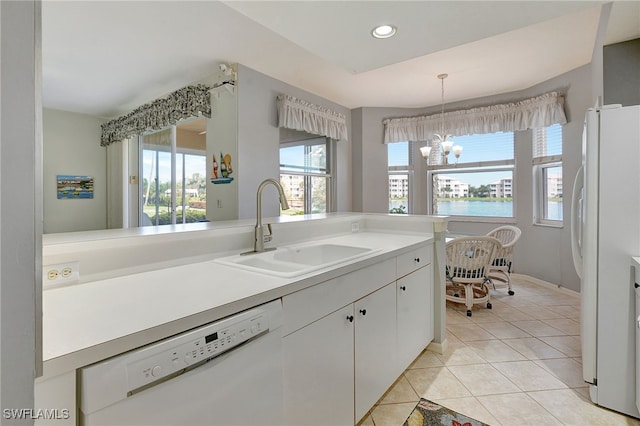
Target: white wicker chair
468, 261
500, 271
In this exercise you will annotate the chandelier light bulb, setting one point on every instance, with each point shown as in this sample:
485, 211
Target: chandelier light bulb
425, 151
457, 151
446, 146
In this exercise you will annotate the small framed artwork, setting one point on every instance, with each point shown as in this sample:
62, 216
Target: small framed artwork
72, 187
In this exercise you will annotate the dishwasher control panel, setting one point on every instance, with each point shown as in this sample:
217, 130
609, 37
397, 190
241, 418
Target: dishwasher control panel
192, 348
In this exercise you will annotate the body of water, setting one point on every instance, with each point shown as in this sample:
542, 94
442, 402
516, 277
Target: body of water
482, 208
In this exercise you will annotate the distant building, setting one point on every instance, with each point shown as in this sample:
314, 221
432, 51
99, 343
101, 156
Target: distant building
398, 186
293, 186
554, 185
501, 188
449, 187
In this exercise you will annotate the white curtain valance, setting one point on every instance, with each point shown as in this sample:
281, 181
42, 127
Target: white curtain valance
294, 113
541, 111
187, 102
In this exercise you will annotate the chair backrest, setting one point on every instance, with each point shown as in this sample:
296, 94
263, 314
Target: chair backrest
469, 258
508, 235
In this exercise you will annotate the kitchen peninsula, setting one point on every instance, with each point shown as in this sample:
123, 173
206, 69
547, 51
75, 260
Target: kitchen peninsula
140, 286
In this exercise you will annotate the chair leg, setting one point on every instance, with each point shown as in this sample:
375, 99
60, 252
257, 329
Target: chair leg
503, 279
486, 287
510, 292
488, 280
468, 292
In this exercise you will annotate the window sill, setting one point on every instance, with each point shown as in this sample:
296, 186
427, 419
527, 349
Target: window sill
482, 219
558, 225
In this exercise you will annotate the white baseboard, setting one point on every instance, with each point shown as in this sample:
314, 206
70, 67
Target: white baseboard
538, 281
438, 348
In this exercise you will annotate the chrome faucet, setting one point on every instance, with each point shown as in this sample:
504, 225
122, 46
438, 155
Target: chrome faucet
260, 237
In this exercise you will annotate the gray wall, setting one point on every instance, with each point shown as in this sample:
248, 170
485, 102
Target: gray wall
72, 147
222, 135
544, 252
259, 139
622, 73
370, 160
20, 204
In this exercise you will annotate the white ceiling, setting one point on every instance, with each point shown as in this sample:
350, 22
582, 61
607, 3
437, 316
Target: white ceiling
106, 58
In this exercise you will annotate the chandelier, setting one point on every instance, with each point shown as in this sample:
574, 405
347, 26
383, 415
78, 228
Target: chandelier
442, 140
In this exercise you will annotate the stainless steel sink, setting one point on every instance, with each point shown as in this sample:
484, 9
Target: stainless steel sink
296, 260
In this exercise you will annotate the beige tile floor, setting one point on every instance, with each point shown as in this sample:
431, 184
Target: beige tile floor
517, 364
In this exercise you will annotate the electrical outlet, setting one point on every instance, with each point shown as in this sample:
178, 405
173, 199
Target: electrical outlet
355, 227
61, 273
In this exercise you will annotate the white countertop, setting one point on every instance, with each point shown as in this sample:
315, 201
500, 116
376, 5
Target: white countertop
86, 323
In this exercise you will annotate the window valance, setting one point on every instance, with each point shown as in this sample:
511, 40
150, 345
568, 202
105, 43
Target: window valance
297, 114
541, 111
187, 102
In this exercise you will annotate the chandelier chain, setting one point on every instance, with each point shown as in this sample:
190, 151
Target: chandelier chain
442, 109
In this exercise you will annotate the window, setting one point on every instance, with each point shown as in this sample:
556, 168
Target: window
547, 170
306, 175
400, 164
173, 167
481, 184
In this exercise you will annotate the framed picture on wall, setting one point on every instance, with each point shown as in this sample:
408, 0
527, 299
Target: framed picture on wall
73, 187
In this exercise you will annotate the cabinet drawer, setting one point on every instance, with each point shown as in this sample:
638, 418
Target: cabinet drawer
308, 305
413, 260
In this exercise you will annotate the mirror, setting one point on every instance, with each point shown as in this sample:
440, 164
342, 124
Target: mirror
126, 189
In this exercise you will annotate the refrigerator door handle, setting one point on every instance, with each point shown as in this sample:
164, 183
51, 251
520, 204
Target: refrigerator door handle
576, 221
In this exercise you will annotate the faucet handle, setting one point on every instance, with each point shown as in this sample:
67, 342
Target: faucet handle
267, 237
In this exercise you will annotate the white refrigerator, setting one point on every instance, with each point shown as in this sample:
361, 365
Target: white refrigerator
605, 233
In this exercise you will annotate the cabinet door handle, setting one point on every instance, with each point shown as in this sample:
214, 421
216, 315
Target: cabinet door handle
417, 260
363, 311
350, 318
403, 288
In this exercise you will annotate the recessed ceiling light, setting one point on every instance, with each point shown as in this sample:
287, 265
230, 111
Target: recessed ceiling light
383, 31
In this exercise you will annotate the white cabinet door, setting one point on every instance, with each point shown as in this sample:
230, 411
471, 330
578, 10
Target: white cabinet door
318, 371
415, 315
58, 396
375, 351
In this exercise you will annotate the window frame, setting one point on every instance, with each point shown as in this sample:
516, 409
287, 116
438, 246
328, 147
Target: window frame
540, 193
408, 170
475, 167
540, 165
329, 175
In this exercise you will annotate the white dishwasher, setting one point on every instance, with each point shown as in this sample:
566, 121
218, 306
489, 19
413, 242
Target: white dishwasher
224, 373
